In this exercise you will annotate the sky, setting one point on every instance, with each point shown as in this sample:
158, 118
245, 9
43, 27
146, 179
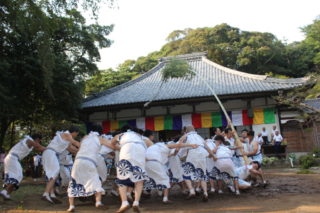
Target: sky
141, 26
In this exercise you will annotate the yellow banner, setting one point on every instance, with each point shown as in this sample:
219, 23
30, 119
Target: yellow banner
258, 116
159, 123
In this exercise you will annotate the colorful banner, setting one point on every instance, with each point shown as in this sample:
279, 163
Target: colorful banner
198, 120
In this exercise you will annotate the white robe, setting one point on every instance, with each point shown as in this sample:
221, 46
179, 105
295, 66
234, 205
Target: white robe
196, 164
156, 159
224, 164
12, 167
131, 165
85, 178
175, 170
50, 157
211, 170
66, 163
243, 173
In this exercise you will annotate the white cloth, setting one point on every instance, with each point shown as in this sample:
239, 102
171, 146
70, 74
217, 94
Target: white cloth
102, 168
156, 159
237, 119
175, 169
12, 167
196, 164
57, 143
65, 174
274, 131
157, 176
141, 123
238, 159
66, 163
186, 120
258, 155
210, 162
50, 163
131, 165
36, 160
260, 140
85, 176
243, 172
224, 164
21, 149
264, 133
159, 152
277, 138
231, 142
101, 161
50, 157
65, 158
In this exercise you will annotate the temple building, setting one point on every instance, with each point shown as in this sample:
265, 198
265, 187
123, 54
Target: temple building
178, 102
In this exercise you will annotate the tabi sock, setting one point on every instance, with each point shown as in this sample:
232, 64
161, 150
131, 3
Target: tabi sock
165, 199
135, 203
124, 203
98, 203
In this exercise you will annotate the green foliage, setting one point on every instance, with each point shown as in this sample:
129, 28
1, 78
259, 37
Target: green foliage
106, 79
177, 68
304, 172
316, 153
312, 40
307, 161
47, 51
269, 160
252, 52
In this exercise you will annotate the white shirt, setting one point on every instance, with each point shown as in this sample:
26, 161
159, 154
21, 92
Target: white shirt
21, 149
231, 141
260, 140
277, 138
274, 131
264, 133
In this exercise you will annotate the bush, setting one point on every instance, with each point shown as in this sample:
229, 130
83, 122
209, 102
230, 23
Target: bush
307, 161
269, 161
305, 171
316, 153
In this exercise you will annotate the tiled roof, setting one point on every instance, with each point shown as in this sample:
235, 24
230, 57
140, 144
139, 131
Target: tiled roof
225, 81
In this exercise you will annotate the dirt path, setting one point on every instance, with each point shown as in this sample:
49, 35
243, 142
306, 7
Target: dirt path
287, 192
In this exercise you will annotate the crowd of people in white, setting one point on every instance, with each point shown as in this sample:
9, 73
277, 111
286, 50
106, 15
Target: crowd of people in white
142, 165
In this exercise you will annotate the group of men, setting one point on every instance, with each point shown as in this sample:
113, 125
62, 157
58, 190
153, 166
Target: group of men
142, 165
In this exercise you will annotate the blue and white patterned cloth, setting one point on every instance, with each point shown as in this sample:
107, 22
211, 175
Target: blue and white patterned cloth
158, 177
131, 165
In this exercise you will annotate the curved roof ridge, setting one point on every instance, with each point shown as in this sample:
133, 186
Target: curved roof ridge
235, 72
287, 80
191, 56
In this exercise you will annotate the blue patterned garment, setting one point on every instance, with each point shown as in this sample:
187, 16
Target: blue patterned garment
192, 173
151, 184
78, 190
226, 177
9, 180
124, 168
172, 179
213, 174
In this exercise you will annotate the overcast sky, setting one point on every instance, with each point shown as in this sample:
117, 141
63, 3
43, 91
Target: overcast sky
141, 26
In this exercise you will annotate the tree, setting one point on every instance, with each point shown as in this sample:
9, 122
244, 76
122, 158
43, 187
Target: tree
46, 50
312, 41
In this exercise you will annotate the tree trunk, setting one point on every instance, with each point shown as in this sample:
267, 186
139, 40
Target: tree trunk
12, 134
4, 125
